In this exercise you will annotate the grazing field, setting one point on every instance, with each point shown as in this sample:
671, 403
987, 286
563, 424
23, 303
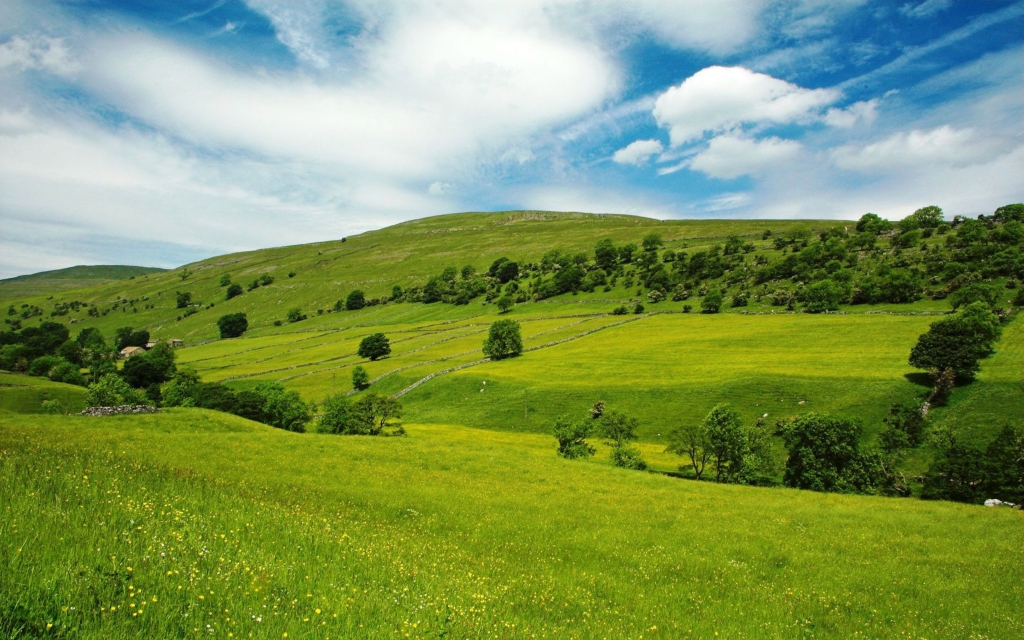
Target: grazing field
191, 522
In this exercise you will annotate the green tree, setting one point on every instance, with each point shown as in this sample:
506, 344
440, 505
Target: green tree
112, 391
1009, 212
360, 379
505, 303
376, 415
975, 292
824, 455
620, 430
824, 295
923, 218
727, 440
233, 291
337, 416
225, 280
295, 315
504, 340
182, 390
507, 272
283, 409
873, 224
355, 300
957, 471
712, 302
232, 325
1004, 466
572, 438
606, 255
374, 346
957, 342
652, 241
692, 441
183, 299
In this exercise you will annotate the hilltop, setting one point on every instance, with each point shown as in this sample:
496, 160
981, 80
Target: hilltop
79, 277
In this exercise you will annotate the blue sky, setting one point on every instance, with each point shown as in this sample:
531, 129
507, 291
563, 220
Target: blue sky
157, 133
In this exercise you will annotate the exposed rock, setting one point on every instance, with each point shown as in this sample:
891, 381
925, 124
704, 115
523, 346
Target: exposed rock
119, 410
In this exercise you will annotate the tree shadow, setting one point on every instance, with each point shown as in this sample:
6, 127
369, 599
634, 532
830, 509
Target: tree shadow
920, 379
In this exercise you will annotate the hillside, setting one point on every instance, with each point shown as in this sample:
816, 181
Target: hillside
60, 280
191, 521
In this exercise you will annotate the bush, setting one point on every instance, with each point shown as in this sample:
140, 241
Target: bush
374, 346
111, 391
373, 415
336, 416
283, 409
42, 365
505, 303
712, 302
296, 315
824, 455
628, 457
355, 300
620, 310
572, 438
504, 340
824, 295
232, 325
67, 373
958, 341
975, 292
183, 299
360, 379
233, 291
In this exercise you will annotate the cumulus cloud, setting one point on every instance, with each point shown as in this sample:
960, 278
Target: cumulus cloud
717, 99
37, 52
638, 152
943, 145
864, 111
440, 188
731, 156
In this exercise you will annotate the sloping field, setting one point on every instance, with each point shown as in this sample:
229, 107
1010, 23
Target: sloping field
196, 523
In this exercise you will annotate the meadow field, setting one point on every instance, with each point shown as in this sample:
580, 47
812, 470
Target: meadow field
194, 523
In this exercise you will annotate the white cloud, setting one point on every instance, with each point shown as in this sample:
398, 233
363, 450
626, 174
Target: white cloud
864, 111
440, 189
37, 52
940, 146
730, 156
637, 152
925, 9
717, 99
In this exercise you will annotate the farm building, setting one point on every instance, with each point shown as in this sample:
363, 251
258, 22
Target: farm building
151, 344
176, 342
128, 352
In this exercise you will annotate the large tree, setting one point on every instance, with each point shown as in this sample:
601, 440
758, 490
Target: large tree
232, 325
504, 340
958, 342
374, 346
824, 455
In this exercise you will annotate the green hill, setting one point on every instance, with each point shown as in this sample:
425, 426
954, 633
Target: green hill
192, 522
59, 280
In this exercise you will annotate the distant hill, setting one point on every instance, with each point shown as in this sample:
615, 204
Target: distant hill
78, 277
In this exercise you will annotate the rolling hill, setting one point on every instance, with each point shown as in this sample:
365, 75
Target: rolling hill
59, 280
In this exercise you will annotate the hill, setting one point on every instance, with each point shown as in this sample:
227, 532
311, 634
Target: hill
59, 280
194, 522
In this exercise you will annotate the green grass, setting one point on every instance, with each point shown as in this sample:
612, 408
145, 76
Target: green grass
61, 280
224, 526
26, 394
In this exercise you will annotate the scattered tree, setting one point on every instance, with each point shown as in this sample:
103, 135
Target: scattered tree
360, 378
712, 302
374, 347
824, 455
572, 438
296, 315
355, 300
233, 291
232, 325
957, 342
504, 340
183, 299
112, 391
692, 440
505, 303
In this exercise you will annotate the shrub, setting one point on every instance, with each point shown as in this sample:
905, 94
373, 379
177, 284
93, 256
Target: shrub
504, 340
355, 300
67, 373
628, 457
232, 325
336, 416
572, 438
111, 391
225, 280
824, 455
505, 303
233, 291
296, 315
620, 310
183, 299
824, 295
373, 415
360, 379
283, 409
374, 346
42, 365
712, 302
975, 292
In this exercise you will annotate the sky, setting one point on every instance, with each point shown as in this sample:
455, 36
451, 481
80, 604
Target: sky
159, 133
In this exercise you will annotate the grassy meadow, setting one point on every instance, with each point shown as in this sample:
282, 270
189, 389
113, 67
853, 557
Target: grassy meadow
193, 523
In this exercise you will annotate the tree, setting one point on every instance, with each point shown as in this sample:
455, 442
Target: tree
355, 300
225, 280
112, 391
1009, 212
824, 295
652, 241
181, 390
296, 315
606, 255
620, 430
91, 338
232, 325
712, 302
283, 409
956, 472
374, 414
183, 299
923, 218
957, 341
975, 292
504, 340
508, 272
906, 419
572, 438
873, 224
495, 266
155, 367
337, 416
824, 455
733, 244
67, 373
374, 346
233, 291
126, 337
727, 441
360, 379
1004, 466
505, 303
692, 440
